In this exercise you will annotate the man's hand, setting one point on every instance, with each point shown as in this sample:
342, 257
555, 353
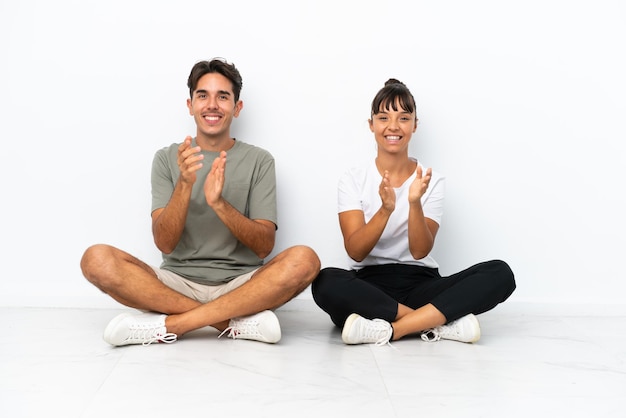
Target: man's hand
189, 161
214, 183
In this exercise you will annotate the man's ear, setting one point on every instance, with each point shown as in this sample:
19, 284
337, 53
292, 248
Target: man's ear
238, 107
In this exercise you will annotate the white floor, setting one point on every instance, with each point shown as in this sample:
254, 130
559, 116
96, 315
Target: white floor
54, 363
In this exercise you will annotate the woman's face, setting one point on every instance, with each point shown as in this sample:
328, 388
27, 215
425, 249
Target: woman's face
393, 129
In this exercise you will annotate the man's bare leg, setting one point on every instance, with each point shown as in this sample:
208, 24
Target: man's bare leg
133, 283
130, 281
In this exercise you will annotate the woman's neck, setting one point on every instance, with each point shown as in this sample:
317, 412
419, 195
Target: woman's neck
399, 168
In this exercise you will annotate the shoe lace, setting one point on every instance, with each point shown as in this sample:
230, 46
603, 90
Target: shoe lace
384, 342
168, 338
239, 327
151, 335
448, 331
232, 333
379, 332
431, 335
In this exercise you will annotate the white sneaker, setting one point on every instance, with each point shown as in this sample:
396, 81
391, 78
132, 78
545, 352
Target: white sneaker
263, 326
144, 328
359, 330
465, 329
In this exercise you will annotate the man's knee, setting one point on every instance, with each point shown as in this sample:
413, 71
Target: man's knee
95, 261
306, 259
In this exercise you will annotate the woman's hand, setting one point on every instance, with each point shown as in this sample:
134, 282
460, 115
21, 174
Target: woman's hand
419, 185
387, 193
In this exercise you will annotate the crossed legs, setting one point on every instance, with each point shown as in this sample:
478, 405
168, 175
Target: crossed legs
412, 299
133, 283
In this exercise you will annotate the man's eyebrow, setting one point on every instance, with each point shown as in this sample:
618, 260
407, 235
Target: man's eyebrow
220, 92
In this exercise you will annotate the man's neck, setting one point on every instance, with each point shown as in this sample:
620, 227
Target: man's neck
214, 144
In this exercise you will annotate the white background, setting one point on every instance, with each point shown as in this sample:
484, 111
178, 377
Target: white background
521, 107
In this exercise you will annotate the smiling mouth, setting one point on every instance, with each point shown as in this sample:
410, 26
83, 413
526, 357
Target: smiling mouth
392, 138
212, 119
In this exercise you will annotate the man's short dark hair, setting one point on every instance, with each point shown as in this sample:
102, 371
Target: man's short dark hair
215, 65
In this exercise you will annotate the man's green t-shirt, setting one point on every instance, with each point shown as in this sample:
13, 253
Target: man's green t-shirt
208, 253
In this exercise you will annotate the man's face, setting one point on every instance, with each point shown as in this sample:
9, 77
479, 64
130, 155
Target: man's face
213, 106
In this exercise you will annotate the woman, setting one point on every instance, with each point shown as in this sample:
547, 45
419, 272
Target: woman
389, 214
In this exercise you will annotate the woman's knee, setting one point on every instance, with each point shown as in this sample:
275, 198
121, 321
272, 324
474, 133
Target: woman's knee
505, 275
326, 282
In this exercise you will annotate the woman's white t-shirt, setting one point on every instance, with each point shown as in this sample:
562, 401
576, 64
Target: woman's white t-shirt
358, 190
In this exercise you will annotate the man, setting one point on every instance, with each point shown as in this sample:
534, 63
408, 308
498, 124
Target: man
214, 220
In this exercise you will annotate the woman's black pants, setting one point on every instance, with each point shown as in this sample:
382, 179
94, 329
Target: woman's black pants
375, 291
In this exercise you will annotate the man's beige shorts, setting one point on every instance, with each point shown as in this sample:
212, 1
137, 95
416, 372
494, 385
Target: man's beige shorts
200, 292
